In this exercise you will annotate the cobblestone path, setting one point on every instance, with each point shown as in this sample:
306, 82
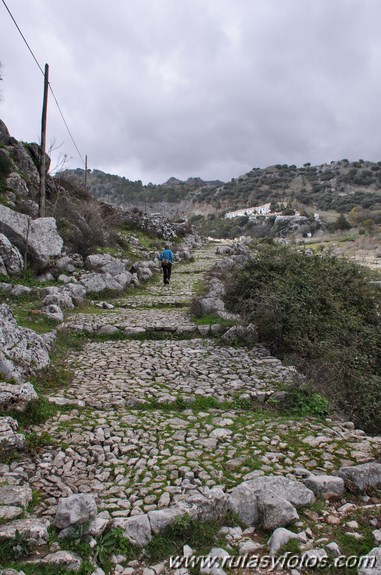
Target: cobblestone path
165, 411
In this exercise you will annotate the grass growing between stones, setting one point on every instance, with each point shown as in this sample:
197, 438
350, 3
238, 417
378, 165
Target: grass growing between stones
200, 536
37, 411
26, 311
351, 547
15, 549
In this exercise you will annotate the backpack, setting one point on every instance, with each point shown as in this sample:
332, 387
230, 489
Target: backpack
164, 261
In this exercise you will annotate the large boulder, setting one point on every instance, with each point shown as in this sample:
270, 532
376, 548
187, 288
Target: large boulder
293, 491
76, 509
160, 519
76, 291
60, 297
105, 263
39, 237
324, 484
96, 283
275, 511
244, 504
210, 505
16, 396
10, 257
254, 501
23, 351
361, 478
136, 529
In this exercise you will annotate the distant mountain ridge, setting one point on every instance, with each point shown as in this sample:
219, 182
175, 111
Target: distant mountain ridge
121, 191
340, 186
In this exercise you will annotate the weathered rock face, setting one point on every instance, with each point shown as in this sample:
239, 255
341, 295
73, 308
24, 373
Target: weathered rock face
15, 495
156, 224
75, 510
17, 397
61, 559
95, 283
269, 500
38, 237
22, 350
11, 261
4, 134
136, 529
360, 478
105, 263
325, 484
275, 511
10, 440
35, 530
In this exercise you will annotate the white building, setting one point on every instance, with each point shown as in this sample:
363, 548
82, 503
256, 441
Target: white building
250, 212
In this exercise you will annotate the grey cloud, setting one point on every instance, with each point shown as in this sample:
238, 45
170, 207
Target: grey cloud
155, 88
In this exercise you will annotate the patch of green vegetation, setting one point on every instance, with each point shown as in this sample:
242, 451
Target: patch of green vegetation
6, 168
15, 549
34, 441
321, 314
201, 536
110, 543
292, 547
36, 500
302, 401
36, 412
29, 316
349, 545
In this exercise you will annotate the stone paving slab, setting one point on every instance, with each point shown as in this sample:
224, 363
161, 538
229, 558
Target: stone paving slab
135, 460
130, 372
160, 419
124, 319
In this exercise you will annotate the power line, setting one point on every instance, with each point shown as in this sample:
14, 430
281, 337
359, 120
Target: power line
64, 121
23, 37
50, 87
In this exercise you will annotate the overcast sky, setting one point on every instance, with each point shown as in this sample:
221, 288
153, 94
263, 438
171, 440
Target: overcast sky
210, 88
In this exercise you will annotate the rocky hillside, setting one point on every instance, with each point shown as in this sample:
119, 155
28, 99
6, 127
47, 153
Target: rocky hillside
173, 197
339, 186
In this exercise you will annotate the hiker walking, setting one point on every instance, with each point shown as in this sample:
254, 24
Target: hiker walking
166, 258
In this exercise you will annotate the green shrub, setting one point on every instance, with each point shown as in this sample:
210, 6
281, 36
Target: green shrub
321, 314
304, 402
15, 549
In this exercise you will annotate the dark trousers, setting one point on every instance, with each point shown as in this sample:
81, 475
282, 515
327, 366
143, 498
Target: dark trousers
167, 269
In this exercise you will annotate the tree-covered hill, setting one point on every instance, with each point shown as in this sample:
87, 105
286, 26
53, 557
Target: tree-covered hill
340, 186
122, 191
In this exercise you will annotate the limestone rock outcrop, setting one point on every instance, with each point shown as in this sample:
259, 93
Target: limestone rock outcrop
38, 238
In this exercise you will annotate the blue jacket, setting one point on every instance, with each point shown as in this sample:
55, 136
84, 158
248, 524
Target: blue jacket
167, 255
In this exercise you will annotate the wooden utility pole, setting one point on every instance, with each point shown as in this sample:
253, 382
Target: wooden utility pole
86, 173
41, 211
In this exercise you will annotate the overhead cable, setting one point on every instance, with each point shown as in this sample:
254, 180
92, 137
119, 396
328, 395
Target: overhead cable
50, 87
